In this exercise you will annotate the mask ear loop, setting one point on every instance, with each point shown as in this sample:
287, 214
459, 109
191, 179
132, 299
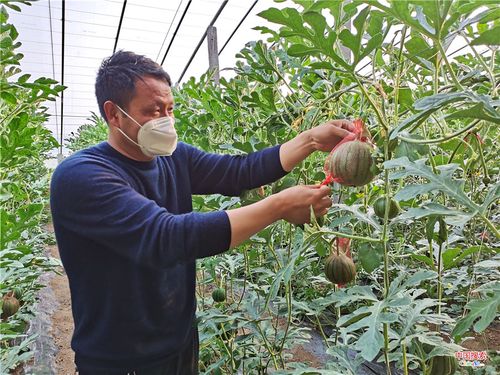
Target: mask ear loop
121, 131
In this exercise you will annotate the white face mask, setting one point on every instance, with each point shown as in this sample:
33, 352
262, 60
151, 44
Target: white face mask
156, 137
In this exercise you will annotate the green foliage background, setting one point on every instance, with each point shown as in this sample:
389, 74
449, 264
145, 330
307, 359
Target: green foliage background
426, 279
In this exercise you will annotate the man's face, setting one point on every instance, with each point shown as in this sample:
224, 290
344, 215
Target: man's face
152, 99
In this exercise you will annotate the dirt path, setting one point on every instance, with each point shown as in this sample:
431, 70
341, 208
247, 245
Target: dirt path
62, 320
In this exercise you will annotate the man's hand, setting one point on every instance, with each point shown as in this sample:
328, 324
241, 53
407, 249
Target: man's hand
292, 204
326, 136
295, 202
321, 138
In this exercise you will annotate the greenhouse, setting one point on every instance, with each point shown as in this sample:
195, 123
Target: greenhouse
250, 187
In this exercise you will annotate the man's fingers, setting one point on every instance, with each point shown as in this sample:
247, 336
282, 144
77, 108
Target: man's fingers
324, 191
327, 201
343, 124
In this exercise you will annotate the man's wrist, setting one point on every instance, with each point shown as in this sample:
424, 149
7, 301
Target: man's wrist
275, 206
306, 140
296, 150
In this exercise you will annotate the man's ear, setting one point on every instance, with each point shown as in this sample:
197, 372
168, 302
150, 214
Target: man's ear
112, 113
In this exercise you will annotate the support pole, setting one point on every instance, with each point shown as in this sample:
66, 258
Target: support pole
60, 154
213, 56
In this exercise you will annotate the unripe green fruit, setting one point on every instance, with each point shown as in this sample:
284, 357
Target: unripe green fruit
351, 163
442, 365
340, 269
379, 208
219, 295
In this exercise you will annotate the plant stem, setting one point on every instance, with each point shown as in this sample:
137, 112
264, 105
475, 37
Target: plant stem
386, 349
351, 236
372, 103
439, 285
322, 332
268, 347
490, 225
483, 63
387, 189
398, 73
405, 360
439, 140
481, 156
448, 65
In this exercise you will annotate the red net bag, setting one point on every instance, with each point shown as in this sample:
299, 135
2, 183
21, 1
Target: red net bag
350, 162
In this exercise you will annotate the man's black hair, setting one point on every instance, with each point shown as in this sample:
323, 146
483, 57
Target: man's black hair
118, 74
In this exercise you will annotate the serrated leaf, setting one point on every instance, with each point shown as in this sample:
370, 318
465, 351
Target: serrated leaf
477, 111
430, 104
453, 217
355, 209
442, 182
372, 341
489, 37
415, 314
492, 196
413, 151
481, 313
453, 256
299, 50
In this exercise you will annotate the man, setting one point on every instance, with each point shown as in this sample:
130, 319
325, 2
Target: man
125, 228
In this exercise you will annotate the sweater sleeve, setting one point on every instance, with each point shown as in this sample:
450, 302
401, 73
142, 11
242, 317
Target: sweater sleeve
92, 202
230, 175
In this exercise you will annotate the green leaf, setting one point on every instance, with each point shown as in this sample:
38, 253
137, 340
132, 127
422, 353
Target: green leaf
288, 17
354, 41
492, 196
452, 217
436, 182
412, 151
416, 314
300, 50
490, 37
8, 97
478, 111
4, 16
13, 6
413, 281
453, 256
405, 97
481, 313
430, 104
6, 42
355, 209
372, 341
423, 258
371, 256
22, 79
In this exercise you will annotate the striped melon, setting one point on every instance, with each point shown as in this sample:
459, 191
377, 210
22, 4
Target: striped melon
10, 305
340, 269
219, 295
351, 163
442, 365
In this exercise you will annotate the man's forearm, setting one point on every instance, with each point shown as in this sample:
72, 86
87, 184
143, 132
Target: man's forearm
295, 150
248, 220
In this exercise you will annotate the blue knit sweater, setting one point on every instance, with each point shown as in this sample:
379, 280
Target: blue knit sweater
128, 240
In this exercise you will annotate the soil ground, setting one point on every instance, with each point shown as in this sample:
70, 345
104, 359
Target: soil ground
62, 321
